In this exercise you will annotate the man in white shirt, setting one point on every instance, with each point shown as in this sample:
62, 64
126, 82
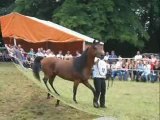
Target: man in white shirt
138, 56
39, 53
99, 76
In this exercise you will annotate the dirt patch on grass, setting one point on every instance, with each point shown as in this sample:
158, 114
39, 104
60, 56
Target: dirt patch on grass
21, 99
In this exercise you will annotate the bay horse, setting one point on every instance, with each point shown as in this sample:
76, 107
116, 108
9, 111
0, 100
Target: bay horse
77, 69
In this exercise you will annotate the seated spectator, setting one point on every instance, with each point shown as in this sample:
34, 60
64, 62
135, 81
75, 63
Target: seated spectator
155, 72
124, 71
139, 71
147, 71
39, 53
145, 59
18, 57
115, 70
49, 53
31, 53
60, 55
10, 49
112, 58
68, 56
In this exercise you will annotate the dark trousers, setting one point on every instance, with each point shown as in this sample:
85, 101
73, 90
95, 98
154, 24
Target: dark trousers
100, 86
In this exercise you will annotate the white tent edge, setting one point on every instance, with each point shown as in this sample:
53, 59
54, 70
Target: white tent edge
64, 29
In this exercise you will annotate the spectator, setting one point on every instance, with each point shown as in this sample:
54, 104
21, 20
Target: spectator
49, 53
68, 56
156, 72
138, 56
31, 53
59, 55
112, 58
139, 71
106, 56
39, 53
147, 71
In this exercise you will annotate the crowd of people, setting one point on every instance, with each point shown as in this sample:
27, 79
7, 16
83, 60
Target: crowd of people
139, 68
27, 58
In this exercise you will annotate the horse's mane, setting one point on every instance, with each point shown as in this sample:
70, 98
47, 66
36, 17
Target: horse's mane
80, 62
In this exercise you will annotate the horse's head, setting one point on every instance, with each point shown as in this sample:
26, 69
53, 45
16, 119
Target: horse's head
97, 49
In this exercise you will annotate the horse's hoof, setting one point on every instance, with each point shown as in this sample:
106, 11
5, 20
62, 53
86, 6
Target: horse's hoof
96, 105
56, 105
75, 101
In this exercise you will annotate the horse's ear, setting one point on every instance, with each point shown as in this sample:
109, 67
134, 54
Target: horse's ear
95, 41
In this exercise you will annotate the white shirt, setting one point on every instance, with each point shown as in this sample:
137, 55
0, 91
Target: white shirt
100, 69
40, 54
106, 57
138, 57
50, 55
60, 56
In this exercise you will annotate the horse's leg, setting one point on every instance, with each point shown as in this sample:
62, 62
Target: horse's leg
95, 99
108, 83
76, 83
51, 83
51, 80
45, 79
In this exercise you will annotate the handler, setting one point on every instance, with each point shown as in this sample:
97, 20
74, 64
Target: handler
99, 76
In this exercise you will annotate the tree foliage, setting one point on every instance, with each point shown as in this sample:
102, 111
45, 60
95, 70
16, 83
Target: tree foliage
134, 21
103, 19
42, 9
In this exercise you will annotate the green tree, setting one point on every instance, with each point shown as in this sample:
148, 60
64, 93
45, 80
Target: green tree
42, 9
149, 13
6, 6
103, 19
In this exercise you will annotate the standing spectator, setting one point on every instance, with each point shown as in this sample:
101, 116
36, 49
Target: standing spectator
99, 76
112, 58
138, 56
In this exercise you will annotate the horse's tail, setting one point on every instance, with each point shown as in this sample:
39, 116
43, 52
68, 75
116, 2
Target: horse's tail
36, 67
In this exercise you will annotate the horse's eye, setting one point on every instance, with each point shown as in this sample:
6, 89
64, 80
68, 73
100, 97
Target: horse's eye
95, 47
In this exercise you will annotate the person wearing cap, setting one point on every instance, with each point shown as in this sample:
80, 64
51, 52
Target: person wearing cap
99, 76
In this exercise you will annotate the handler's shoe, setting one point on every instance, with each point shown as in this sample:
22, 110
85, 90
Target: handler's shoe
96, 105
103, 106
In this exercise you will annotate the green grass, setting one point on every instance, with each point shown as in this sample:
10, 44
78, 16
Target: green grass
125, 100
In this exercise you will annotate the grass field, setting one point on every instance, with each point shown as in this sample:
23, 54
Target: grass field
24, 98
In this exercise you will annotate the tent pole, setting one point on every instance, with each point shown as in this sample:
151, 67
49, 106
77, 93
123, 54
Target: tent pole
83, 47
15, 42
